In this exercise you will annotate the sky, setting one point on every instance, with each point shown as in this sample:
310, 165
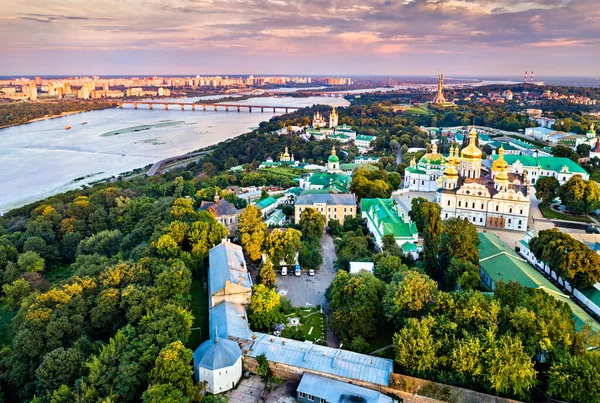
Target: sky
304, 37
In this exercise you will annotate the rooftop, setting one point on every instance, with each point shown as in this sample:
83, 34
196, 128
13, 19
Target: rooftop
226, 262
229, 319
220, 208
265, 203
323, 359
217, 353
346, 199
548, 163
338, 392
386, 218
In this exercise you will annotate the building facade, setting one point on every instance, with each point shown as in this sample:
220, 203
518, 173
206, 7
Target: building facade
424, 175
332, 206
384, 217
223, 211
499, 200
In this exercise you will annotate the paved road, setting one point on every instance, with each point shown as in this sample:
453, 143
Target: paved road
309, 291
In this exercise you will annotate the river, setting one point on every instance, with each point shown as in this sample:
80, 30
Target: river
41, 159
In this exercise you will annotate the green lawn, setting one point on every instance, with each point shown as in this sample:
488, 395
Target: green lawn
316, 322
200, 310
547, 212
418, 111
383, 338
284, 171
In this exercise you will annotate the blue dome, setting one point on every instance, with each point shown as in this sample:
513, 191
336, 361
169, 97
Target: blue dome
216, 354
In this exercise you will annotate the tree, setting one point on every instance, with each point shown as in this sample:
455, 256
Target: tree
163, 393
335, 227
508, 368
546, 189
410, 294
568, 257
575, 378
390, 245
415, 347
355, 301
459, 240
580, 196
172, 367
282, 246
31, 262
387, 265
264, 309
60, 367
312, 223
105, 243
432, 236
416, 212
15, 292
584, 150
252, 232
465, 274
310, 255
565, 152
267, 274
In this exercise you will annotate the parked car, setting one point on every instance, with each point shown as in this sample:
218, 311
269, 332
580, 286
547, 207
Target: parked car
592, 230
311, 272
298, 272
284, 271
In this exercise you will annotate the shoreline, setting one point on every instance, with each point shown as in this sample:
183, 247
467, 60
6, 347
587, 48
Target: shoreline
63, 114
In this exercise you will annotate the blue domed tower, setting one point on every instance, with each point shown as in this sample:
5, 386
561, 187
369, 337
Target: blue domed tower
218, 363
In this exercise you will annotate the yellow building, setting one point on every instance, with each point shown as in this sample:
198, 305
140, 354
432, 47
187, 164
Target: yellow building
332, 206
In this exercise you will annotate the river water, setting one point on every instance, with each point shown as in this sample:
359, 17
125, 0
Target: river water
41, 159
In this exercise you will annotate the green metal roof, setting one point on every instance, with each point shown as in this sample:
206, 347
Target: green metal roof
265, 203
383, 210
547, 163
364, 137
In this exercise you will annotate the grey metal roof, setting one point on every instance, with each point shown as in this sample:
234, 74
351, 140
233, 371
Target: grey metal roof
226, 262
345, 199
323, 359
336, 391
229, 319
221, 208
217, 353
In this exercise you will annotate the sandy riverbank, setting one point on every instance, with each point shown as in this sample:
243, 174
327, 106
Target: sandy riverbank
45, 118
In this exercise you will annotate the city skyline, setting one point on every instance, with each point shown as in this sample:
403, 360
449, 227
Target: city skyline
326, 37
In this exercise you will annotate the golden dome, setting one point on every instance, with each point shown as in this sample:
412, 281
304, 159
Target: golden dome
451, 163
433, 158
471, 151
500, 163
501, 176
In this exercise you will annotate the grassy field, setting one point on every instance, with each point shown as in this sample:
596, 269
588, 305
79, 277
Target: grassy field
316, 322
284, 171
547, 212
418, 111
200, 311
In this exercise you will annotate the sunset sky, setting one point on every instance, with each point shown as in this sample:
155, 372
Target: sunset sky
458, 37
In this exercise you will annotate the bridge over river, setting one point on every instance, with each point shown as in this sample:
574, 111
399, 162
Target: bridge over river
214, 107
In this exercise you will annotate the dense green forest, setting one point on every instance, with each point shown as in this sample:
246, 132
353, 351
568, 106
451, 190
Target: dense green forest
23, 112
